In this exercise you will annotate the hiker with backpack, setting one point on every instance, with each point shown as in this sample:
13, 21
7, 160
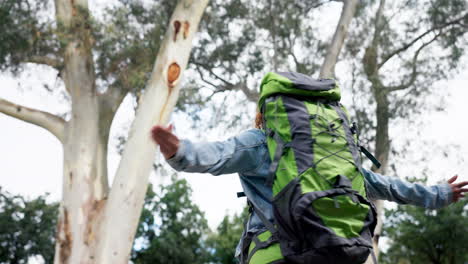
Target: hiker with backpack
301, 172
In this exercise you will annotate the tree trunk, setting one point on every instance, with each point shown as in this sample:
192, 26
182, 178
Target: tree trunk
382, 150
95, 225
126, 198
347, 14
85, 184
84, 189
382, 143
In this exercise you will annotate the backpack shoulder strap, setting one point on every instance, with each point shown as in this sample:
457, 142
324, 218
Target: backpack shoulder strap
273, 230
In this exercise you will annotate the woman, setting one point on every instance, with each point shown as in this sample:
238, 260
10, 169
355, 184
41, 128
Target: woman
247, 155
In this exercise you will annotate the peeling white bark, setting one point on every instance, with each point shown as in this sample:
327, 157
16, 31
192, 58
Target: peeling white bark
85, 185
48, 121
347, 14
92, 227
126, 198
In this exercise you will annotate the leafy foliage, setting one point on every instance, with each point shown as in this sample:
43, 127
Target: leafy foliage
409, 46
27, 228
421, 236
127, 40
26, 32
171, 227
223, 243
241, 40
171, 230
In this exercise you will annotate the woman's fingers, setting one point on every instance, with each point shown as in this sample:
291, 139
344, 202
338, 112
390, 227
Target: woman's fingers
457, 188
453, 179
168, 141
462, 184
160, 134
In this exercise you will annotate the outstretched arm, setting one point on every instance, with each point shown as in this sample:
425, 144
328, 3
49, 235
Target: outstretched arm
457, 188
237, 154
403, 192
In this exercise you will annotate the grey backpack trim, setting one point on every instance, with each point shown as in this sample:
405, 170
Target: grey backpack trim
301, 133
303, 236
305, 82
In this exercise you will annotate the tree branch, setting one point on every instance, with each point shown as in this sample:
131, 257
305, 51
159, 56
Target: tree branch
110, 101
241, 86
210, 71
411, 43
299, 66
45, 60
414, 73
313, 6
378, 24
347, 14
48, 121
251, 95
215, 87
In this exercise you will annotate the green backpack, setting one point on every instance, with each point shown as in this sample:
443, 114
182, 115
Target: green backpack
321, 213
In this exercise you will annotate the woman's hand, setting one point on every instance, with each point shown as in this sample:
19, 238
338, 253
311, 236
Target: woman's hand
167, 141
457, 188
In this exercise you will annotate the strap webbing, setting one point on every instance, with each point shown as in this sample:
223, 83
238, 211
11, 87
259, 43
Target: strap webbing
263, 218
374, 258
349, 136
265, 221
241, 194
280, 145
371, 157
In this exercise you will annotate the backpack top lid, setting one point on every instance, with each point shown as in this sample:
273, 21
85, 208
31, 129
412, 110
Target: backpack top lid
295, 83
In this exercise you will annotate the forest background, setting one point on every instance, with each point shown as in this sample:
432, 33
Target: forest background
421, 61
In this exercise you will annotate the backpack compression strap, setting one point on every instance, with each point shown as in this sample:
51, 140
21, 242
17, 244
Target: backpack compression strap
371, 157
349, 135
280, 148
366, 152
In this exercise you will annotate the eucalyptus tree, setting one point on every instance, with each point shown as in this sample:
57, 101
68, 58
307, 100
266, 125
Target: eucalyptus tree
242, 40
412, 45
98, 66
101, 59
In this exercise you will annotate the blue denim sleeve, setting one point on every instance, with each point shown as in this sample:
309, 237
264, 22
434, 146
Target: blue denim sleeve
237, 154
403, 192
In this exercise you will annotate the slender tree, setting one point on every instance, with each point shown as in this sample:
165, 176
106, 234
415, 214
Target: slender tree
90, 211
413, 45
328, 67
102, 59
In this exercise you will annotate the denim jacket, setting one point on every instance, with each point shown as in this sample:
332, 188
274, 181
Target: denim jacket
247, 155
